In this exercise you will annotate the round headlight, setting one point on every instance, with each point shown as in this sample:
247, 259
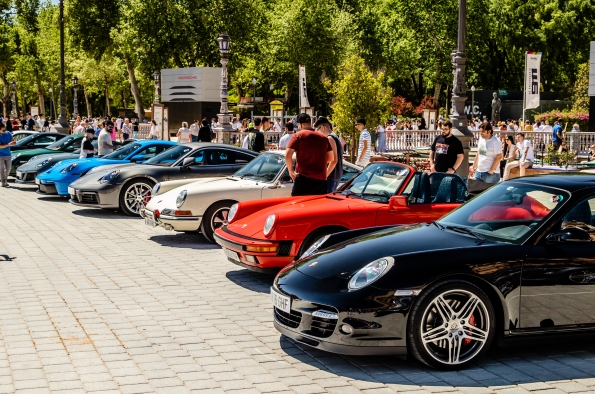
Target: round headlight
15, 156
269, 224
155, 189
69, 168
108, 177
232, 212
45, 162
181, 198
370, 273
314, 247
33, 158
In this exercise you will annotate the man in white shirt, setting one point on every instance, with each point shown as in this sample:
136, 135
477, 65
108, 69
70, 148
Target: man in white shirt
525, 150
547, 127
277, 125
104, 141
489, 154
80, 129
285, 139
365, 144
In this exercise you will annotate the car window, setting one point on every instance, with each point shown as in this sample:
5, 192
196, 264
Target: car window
151, 151
265, 167
199, 158
121, 154
61, 143
170, 155
242, 158
581, 216
45, 139
378, 181
348, 173
217, 157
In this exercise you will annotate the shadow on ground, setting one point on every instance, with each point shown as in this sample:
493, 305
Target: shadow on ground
52, 198
502, 366
194, 240
254, 281
103, 214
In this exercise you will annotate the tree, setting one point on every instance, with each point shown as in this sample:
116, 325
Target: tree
580, 94
358, 94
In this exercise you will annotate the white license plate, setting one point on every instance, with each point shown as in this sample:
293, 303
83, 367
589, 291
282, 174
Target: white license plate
280, 301
19, 174
37, 181
150, 222
231, 254
71, 191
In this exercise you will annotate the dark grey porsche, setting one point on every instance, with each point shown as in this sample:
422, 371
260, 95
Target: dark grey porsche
128, 186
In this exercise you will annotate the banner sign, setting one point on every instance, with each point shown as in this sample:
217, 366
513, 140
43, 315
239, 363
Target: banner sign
532, 77
303, 89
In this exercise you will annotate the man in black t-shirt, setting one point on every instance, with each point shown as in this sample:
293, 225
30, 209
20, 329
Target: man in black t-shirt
447, 151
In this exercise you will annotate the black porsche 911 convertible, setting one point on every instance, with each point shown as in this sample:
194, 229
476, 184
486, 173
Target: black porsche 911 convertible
517, 261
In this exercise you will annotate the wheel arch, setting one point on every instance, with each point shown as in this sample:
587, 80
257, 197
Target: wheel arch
220, 201
141, 177
335, 228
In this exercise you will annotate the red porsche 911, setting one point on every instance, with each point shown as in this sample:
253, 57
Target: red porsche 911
266, 235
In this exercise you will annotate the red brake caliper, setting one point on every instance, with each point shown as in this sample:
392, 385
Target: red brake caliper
467, 341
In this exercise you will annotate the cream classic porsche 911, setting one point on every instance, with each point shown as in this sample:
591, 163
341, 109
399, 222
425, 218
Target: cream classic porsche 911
204, 204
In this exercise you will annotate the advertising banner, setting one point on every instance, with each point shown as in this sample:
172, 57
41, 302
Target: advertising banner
532, 77
303, 89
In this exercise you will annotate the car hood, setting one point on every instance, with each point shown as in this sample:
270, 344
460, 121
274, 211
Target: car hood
82, 165
399, 242
35, 152
31, 165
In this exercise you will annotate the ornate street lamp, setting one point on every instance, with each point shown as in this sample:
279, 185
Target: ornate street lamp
25, 102
254, 95
472, 101
157, 78
64, 126
75, 104
224, 130
15, 110
459, 90
51, 90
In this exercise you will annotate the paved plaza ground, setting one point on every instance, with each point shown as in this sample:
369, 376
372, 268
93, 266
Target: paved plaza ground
94, 301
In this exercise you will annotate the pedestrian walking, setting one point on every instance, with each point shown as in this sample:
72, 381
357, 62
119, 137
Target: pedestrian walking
489, 154
382, 138
87, 148
557, 134
184, 134
204, 133
6, 142
334, 172
30, 123
287, 137
256, 137
154, 134
126, 129
194, 130
527, 156
365, 144
313, 156
135, 128
446, 153
105, 144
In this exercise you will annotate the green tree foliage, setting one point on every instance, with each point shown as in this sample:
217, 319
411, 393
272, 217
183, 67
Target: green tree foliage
358, 94
580, 94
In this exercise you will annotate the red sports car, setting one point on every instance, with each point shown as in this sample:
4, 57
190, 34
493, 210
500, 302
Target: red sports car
269, 234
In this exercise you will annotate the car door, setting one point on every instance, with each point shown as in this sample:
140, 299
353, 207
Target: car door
197, 169
558, 278
148, 153
221, 161
280, 189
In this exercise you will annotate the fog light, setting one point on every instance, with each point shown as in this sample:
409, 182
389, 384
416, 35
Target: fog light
251, 259
346, 329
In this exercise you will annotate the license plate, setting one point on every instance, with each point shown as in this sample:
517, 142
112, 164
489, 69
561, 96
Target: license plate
231, 254
150, 222
37, 181
71, 191
280, 301
19, 174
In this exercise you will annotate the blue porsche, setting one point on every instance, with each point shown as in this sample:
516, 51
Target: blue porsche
57, 178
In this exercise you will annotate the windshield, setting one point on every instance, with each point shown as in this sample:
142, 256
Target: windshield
508, 212
26, 140
169, 156
265, 167
121, 154
378, 181
60, 144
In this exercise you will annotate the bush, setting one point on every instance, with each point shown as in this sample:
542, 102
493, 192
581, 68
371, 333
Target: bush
569, 117
552, 157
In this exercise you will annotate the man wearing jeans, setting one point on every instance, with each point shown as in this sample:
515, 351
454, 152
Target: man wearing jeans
489, 154
5, 162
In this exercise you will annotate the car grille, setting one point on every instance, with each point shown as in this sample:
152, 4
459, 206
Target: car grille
284, 248
88, 198
322, 328
27, 176
291, 320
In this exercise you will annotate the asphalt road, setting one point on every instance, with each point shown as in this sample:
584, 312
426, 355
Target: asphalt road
94, 301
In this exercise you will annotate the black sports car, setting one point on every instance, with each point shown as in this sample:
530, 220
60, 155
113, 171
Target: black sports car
37, 140
516, 261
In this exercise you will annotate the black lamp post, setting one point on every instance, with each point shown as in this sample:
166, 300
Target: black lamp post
15, 110
472, 101
75, 104
157, 77
254, 81
64, 126
25, 102
51, 90
224, 130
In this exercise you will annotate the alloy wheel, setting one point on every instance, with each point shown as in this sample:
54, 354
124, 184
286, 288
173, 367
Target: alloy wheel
455, 327
137, 196
219, 218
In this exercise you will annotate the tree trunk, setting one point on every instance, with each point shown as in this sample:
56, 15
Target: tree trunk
40, 97
138, 102
5, 96
177, 60
437, 87
124, 103
107, 107
87, 103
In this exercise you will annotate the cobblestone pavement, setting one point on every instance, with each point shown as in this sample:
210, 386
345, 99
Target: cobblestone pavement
93, 301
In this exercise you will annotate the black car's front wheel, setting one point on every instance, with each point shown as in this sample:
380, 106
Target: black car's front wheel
451, 325
134, 195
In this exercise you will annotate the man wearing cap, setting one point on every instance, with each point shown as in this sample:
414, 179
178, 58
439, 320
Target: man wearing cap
334, 171
314, 153
87, 148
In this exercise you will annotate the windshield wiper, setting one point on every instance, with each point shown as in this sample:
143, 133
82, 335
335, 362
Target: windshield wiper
435, 223
249, 174
465, 230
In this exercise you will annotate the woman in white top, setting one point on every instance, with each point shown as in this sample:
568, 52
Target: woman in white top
194, 130
527, 156
184, 133
154, 134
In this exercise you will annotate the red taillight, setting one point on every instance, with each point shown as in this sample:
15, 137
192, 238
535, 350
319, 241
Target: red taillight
156, 214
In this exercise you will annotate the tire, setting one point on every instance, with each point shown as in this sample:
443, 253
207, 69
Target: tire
315, 236
134, 195
214, 218
443, 342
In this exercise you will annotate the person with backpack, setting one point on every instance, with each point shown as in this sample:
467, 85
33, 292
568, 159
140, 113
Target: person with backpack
204, 133
256, 138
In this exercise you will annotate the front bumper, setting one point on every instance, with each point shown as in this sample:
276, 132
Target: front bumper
98, 198
265, 262
175, 223
25, 177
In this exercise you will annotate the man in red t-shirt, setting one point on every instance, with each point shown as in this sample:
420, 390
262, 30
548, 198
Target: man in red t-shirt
313, 155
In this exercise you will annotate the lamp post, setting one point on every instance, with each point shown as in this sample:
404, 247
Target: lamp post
75, 104
157, 77
459, 90
225, 129
472, 101
51, 90
254, 94
25, 102
15, 110
64, 126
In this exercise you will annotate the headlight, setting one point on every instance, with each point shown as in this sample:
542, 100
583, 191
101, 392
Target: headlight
155, 189
45, 162
108, 177
15, 156
181, 198
269, 224
233, 211
370, 273
33, 158
69, 168
314, 247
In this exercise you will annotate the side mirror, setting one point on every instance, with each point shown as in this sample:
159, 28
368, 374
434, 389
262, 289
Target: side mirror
397, 202
137, 158
187, 162
570, 234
